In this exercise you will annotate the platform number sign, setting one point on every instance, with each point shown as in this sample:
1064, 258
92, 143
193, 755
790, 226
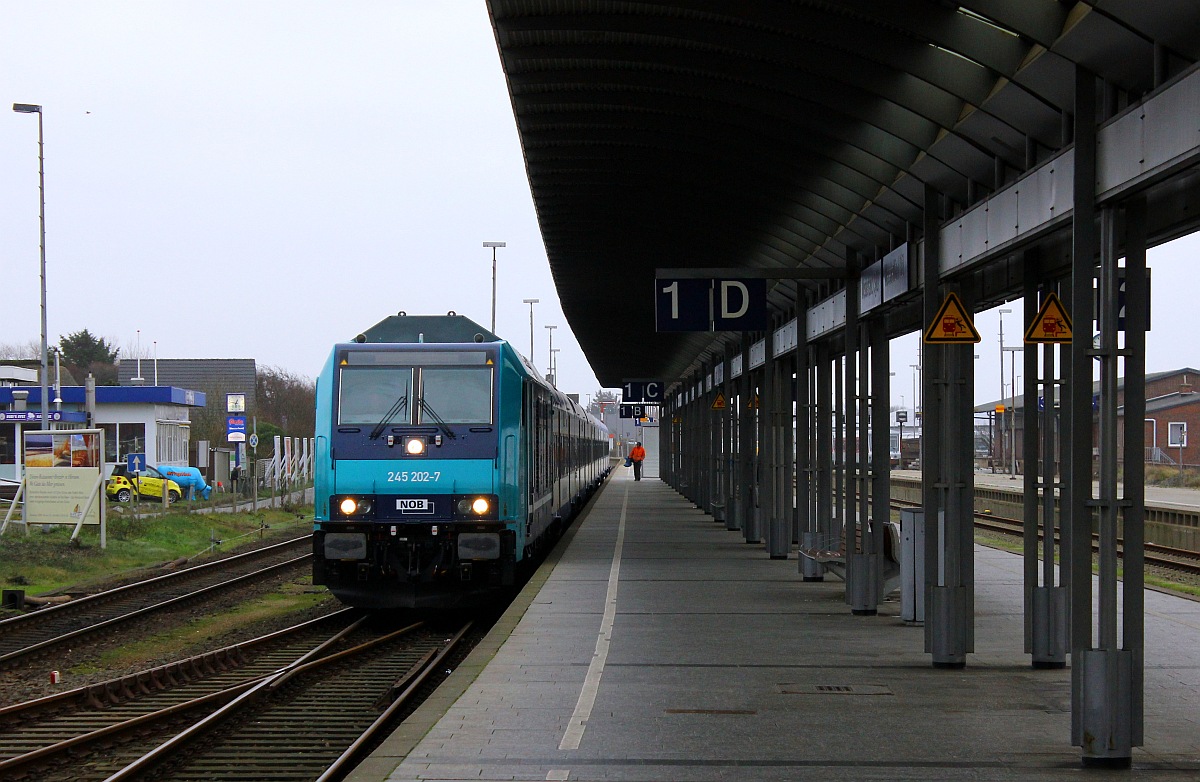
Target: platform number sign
643, 391
634, 411
710, 305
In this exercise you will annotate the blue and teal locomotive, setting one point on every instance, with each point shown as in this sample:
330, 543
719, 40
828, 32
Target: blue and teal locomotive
443, 462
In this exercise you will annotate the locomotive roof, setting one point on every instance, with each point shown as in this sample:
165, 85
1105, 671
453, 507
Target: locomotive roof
427, 328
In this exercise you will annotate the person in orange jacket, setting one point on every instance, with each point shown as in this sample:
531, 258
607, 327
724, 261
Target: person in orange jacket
638, 455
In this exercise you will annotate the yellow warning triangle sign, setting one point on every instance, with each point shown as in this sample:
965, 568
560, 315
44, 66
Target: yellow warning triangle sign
1051, 325
752, 404
952, 325
719, 402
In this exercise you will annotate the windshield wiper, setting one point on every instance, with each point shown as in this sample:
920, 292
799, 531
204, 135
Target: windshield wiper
437, 419
400, 405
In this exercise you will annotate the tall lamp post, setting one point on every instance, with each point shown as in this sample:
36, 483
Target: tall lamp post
1001, 416
30, 108
554, 367
494, 245
1012, 408
531, 302
550, 362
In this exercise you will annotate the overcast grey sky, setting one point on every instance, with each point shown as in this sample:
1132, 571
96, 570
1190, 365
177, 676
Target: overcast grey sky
263, 179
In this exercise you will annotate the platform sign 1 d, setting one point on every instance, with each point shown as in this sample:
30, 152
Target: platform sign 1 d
710, 304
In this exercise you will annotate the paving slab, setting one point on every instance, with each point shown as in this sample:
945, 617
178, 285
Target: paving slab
657, 645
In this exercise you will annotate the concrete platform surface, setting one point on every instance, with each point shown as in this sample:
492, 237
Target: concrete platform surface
656, 645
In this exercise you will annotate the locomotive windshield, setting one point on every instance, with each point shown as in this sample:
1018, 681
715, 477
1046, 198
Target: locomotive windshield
414, 387
367, 395
456, 396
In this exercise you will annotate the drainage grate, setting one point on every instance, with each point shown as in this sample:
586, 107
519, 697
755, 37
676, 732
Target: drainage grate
835, 689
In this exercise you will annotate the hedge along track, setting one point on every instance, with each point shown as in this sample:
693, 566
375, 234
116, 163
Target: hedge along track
26, 636
35, 733
308, 722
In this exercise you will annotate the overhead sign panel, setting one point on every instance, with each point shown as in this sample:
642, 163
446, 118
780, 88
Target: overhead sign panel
952, 325
643, 391
686, 304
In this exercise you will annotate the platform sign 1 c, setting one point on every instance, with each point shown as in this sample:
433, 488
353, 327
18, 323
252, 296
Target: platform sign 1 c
643, 391
952, 325
1051, 325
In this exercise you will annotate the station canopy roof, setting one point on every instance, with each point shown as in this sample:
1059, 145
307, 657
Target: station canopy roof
724, 134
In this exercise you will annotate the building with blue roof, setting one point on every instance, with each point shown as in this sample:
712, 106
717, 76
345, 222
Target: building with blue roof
150, 420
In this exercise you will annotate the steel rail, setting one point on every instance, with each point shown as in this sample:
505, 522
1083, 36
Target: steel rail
407, 688
26, 651
245, 699
92, 600
1156, 554
94, 693
222, 695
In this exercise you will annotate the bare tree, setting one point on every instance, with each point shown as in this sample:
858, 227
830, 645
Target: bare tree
21, 351
287, 400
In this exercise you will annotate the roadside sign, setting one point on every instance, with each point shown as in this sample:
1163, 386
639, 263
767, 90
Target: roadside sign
254, 440
952, 324
135, 462
1051, 325
235, 428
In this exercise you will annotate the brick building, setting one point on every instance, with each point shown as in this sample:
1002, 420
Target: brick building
1171, 398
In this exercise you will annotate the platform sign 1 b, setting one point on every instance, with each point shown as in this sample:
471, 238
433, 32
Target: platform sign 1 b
710, 305
634, 411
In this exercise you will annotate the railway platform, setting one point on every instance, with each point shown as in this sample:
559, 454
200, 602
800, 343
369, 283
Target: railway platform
656, 645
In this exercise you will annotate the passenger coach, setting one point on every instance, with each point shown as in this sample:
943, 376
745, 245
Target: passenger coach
443, 461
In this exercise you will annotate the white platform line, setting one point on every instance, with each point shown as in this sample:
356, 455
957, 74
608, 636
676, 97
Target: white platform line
591, 682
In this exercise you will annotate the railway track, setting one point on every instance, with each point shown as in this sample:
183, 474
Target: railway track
292, 705
27, 636
1182, 560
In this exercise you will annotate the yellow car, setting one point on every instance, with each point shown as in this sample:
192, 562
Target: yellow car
123, 486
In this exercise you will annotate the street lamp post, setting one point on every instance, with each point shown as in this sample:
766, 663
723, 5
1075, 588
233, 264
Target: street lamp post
554, 367
494, 245
530, 302
550, 362
1012, 415
30, 108
1002, 312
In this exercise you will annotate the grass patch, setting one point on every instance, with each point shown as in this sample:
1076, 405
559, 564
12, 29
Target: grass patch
292, 600
46, 560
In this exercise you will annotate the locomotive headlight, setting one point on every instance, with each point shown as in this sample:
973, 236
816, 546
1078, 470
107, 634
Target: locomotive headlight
473, 506
415, 446
354, 506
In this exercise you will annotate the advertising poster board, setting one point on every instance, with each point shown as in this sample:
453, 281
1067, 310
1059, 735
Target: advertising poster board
64, 476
